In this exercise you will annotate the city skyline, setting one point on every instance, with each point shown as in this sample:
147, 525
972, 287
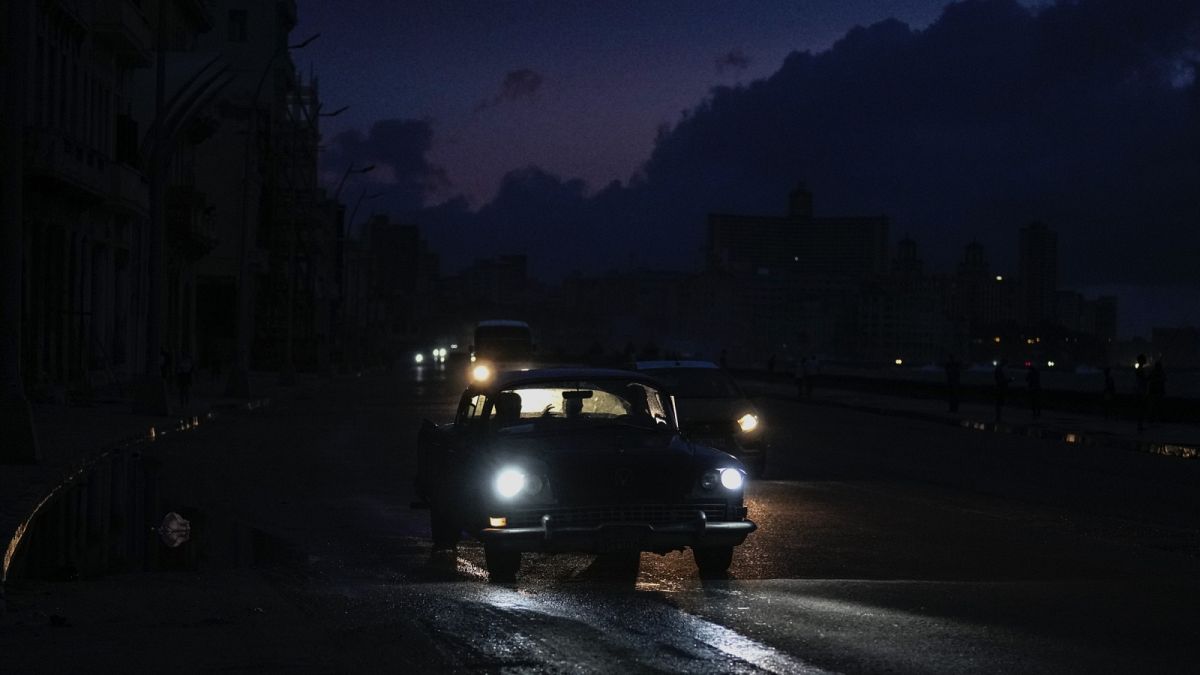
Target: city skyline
958, 125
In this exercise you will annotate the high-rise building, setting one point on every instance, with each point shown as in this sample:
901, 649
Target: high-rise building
1037, 274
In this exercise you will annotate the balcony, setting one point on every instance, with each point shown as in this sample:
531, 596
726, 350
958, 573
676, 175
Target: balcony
191, 232
129, 192
53, 156
122, 27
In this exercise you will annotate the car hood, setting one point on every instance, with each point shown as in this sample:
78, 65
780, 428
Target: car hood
693, 410
607, 465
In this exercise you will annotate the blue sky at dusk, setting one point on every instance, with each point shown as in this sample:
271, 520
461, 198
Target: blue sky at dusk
611, 72
599, 135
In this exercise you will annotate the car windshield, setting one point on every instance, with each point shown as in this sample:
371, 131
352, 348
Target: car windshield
563, 405
697, 382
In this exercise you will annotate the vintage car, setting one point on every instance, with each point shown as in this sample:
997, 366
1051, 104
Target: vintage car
713, 409
577, 460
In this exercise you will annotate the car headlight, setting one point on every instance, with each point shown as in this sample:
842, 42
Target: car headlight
481, 373
748, 422
731, 479
509, 482
419, 358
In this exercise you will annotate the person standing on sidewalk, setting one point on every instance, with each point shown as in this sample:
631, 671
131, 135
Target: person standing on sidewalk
1001, 378
183, 378
1140, 372
953, 377
1110, 394
1033, 378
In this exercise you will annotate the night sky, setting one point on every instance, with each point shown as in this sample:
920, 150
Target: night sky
597, 135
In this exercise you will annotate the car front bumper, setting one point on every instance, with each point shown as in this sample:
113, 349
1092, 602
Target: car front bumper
616, 537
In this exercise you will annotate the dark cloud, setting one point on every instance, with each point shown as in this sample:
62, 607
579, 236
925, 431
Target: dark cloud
1084, 114
734, 58
397, 148
518, 84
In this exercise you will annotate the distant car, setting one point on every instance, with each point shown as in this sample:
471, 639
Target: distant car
713, 409
577, 460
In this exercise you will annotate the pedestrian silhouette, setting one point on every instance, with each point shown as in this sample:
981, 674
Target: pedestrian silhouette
953, 376
1001, 378
1033, 379
1142, 377
1157, 389
1110, 394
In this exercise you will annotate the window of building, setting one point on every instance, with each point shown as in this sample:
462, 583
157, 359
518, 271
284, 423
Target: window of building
237, 25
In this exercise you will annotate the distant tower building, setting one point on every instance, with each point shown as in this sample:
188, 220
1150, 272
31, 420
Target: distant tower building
906, 266
800, 203
1038, 273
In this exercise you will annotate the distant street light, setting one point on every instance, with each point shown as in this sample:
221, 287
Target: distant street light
335, 113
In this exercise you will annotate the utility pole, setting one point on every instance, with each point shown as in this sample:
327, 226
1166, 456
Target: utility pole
18, 437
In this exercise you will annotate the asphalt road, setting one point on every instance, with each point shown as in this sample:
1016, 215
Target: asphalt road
884, 545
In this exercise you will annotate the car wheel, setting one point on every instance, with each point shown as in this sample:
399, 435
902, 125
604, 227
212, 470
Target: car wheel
713, 561
502, 566
443, 528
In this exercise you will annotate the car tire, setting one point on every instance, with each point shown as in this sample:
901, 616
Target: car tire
502, 566
443, 528
713, 561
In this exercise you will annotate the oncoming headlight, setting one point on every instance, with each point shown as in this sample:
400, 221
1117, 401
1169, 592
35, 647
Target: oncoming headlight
481, 373
748, 422
509, 482
731, 479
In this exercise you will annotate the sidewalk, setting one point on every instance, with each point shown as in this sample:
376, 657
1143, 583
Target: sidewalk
1175, 440
71, 435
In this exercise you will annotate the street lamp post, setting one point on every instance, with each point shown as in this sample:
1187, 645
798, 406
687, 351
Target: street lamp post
239, 375
288, 372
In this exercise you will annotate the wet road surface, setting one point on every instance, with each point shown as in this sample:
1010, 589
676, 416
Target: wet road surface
884, 545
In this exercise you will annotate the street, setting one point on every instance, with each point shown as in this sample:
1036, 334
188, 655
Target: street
884, 544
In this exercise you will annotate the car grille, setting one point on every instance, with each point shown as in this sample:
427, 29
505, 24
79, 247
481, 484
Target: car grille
567, 516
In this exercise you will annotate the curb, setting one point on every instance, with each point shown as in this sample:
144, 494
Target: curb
78, 469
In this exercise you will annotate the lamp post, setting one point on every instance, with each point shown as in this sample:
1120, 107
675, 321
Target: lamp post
362, 196
287, 374
349, 170
239, 375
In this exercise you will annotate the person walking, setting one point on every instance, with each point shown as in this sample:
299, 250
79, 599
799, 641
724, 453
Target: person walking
183, 378
1033, 379
1110, 394
953, 377
1001, 378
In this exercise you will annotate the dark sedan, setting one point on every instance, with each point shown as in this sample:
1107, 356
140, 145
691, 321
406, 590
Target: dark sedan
714, 410
578, 460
